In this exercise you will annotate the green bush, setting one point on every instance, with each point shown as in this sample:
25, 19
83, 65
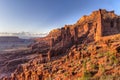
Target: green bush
101, 68
113, 59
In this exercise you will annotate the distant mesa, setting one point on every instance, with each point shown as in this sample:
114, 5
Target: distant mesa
11, 39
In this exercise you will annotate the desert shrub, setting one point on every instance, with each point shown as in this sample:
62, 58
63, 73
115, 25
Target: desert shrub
101, 68
106, 77
66, 74
107, 54
86, 76
79, 78
86, 73
94, 66
84, 64
100, 55
113, 59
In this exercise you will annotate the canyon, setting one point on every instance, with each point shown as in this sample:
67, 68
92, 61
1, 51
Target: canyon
86, 50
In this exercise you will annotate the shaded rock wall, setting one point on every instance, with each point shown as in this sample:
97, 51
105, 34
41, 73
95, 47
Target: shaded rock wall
110, 23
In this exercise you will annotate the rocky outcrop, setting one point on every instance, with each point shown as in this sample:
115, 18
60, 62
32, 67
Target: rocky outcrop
88, 29
91, 61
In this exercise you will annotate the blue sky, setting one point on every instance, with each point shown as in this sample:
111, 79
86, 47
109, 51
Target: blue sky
41, 16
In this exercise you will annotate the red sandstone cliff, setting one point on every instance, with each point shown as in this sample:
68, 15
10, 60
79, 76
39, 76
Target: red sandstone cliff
87, 29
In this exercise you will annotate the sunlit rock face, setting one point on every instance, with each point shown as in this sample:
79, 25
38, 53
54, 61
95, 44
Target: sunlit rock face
98, 24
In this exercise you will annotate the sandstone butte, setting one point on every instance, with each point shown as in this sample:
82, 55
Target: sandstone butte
86, 50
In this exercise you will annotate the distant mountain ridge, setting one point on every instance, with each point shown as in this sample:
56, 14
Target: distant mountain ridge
25, 35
